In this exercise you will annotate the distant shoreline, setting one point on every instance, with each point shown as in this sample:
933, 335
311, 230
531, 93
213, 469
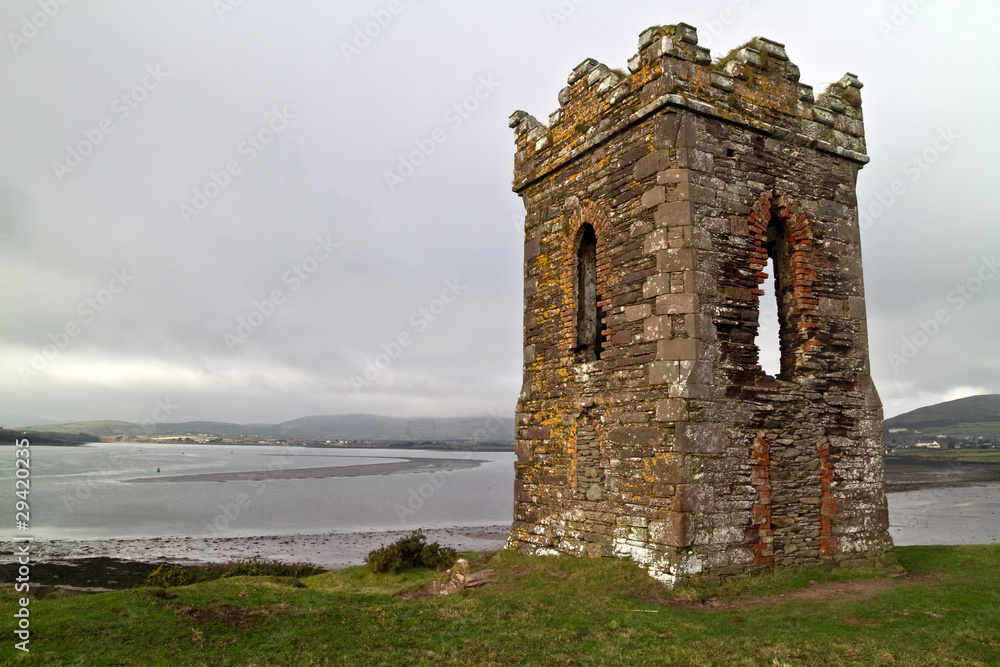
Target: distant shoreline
439, 446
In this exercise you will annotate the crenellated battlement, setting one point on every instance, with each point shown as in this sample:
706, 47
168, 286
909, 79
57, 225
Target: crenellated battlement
755, 85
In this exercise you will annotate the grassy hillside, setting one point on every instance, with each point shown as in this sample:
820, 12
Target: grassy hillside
975, 415
540, 611
100, 428
8, 436
319, 427
376, 427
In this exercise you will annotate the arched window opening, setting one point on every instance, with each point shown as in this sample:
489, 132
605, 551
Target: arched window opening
768, 347
774, 353
588, 335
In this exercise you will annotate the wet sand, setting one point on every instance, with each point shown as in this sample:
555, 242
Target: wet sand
329, 550
910, 473
364, 470
946, 515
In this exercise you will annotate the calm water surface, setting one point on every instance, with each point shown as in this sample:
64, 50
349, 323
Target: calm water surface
82, 492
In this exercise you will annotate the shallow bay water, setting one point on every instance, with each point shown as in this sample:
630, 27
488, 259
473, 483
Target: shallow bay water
86, 493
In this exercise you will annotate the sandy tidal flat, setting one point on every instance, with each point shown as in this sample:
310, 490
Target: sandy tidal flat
332, 550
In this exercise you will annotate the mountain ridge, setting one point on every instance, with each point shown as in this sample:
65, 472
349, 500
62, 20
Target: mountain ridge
354, 426
972, 415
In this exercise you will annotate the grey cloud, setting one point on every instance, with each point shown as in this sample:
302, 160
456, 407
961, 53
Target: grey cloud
324, 176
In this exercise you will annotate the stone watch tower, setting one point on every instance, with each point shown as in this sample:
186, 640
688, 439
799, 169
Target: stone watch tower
646, 427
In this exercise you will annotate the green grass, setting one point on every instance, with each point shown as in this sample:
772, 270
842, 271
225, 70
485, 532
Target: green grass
537, 611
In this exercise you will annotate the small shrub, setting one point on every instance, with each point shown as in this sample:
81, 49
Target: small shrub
270, 568
247, 568
166, 577
411, 551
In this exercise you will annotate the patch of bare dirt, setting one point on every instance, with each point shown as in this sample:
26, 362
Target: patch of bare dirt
828, 593
854, 620
833, 592
238, 618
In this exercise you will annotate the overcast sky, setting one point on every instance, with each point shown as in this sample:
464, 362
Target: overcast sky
195, 210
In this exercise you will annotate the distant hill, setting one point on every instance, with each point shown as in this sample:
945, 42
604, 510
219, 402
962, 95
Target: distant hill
374, 427
318, 427
99, 428
8, 436
975, 415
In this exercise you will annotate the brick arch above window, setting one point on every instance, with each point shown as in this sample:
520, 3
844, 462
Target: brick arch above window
587, 213
783, 232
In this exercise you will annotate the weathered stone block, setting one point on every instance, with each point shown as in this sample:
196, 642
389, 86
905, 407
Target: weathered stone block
522, 449
671, 410
536, 433
661, 372
673, 176
677, 259
532, 248
671, 531
652, 163
655, 328
654, 196
679, 349
634, 313
704, 439
698, 498
645, 436
676, 304
673, 214
655, 285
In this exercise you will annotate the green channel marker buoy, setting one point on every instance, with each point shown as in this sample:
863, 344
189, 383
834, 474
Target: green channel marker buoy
157, 470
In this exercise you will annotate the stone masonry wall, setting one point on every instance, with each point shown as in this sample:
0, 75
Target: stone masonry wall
673, 447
